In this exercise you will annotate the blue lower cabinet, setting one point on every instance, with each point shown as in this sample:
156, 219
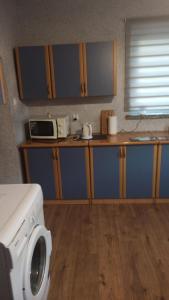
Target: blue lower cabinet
106, 172
164, 172
73, 173
40, 168
139, 171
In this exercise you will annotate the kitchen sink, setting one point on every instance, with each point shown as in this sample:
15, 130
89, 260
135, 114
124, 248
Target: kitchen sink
143, 139
162, 138
149, 138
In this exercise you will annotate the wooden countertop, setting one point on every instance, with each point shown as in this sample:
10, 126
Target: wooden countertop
68, 142
118, 139
124, 139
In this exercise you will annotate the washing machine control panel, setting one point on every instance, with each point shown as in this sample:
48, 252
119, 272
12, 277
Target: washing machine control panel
32, 220
19, 242
23, 233
22, 236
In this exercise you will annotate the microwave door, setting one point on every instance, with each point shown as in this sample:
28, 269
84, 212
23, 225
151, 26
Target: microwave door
42, 129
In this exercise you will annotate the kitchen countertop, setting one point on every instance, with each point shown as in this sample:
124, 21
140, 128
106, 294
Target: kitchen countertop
68, 142
118, 139
124, 138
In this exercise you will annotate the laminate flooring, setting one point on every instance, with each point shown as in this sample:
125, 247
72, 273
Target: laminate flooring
109, 252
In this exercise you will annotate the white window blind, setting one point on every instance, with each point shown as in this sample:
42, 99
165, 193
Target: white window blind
147, 66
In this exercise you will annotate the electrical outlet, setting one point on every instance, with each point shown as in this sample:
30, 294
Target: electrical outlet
75, 117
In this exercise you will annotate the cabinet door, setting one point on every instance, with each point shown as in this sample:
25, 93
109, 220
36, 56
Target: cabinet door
66, 70
33, 72
140, 171
106, 172
41, 170
73, 173
164, 172
99, 72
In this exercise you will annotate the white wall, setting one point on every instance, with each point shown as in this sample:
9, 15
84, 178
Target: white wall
67, 21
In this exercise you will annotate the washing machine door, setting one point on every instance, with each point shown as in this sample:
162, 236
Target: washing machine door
37, 264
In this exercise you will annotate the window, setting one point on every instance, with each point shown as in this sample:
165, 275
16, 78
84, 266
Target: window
147, 66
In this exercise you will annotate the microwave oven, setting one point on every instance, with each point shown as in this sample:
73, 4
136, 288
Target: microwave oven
49, 128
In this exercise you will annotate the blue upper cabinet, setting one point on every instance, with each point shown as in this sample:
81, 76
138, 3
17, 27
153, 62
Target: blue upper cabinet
106, 172
66, 70
33, 72
83, 69
140, 174
99, 69
163, 180
41, 170
74, 174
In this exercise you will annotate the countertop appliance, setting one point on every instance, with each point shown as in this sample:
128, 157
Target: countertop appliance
25, 243
87, 131
63, 126
49, 128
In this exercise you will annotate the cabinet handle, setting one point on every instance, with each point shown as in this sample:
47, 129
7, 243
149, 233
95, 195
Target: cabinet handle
81, 87
54, 156
124, 152
84, 89
48, 91
121, 152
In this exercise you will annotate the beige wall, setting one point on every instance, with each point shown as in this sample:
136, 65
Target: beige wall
67, 21
53, 21
12, 114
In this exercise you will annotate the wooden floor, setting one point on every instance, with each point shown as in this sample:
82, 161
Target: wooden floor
109, 252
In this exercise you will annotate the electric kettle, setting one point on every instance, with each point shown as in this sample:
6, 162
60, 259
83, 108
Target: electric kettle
87, 131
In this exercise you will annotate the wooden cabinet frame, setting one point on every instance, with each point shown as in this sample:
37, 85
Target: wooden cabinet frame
158, 171
89, 167
57, 176
88, 184
81, 69
114, 68
55, 170
158, 175
19, 77
122, 174
50, 71
47, 70
154, 175
106, 201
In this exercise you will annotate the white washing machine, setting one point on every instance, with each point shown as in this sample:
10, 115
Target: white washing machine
25, 243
